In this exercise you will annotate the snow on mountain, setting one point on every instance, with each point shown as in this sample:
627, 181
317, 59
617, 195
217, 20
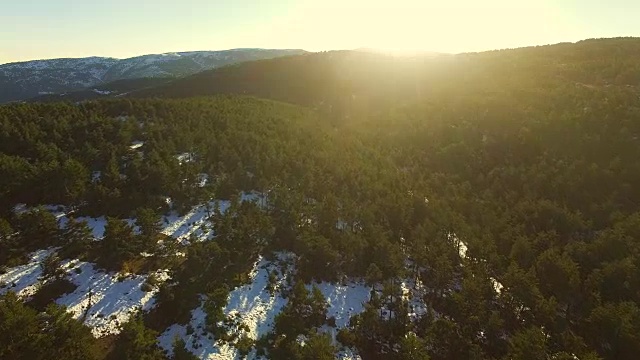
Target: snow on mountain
23, 80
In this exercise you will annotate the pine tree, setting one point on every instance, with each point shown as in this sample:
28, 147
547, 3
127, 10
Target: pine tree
117, 244
137, 342
413, 348
53, 334
52, 267
38, 228
77, 237
528, 344
319, 347
149, 222
75, 178
180, 351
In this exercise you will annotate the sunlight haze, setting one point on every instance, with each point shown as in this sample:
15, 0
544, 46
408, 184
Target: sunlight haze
39, 29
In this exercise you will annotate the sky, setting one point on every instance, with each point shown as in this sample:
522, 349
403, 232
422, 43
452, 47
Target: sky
42, 29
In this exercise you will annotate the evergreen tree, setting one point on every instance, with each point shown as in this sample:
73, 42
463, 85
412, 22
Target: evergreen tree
149, 222
413, 348
180, 351
136, 341
53, 334
118, 243
77, 237
52, 267
319, 347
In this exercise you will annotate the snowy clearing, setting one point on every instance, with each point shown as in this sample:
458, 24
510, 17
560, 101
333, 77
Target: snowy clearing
344, 300
24, 279
112, 297
254, 304
196, 221
413, 292
257, 309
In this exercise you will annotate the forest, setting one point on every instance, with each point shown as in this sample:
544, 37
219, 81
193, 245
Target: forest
503, 182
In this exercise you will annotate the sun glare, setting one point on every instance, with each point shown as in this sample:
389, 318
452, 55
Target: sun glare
410, 26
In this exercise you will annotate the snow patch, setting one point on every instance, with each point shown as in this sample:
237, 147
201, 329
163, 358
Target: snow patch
344, 300
348, 354
102, 92
196, 221
24, 279
414, 291
136, 145
105, 301
253, 303
186, 157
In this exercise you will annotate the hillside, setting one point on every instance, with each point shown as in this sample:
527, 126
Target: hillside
23, 80
345, 82
366, 207
112, 89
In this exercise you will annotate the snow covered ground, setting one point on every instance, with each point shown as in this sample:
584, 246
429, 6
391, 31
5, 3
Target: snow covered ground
195, 221
462, 251
255, 305
136, 144
413, 292
174, 225
185, 157
344, 300
253, 302
112, 297
24, 279
102, 92
257, 309
348, 354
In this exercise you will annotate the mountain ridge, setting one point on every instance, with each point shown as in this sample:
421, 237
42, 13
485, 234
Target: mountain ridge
26, 79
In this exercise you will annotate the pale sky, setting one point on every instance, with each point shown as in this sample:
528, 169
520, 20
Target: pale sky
40, 29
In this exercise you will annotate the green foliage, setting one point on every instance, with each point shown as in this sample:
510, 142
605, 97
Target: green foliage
304, 311
149, 222
412, 347
318, 347
180, 351
136, 341
244, 345
52, 267
76, 238
117, 245
37, 228
528, 344
53, 334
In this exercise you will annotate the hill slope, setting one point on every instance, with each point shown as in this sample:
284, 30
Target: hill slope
22, 80
350, 81
112, 89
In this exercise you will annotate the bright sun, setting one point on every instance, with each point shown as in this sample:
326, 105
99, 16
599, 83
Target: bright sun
418, 25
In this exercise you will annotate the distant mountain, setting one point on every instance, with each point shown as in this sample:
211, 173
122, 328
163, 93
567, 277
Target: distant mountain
23, 80
113, 89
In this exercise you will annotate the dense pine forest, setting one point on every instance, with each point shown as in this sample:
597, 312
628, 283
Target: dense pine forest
488, 202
